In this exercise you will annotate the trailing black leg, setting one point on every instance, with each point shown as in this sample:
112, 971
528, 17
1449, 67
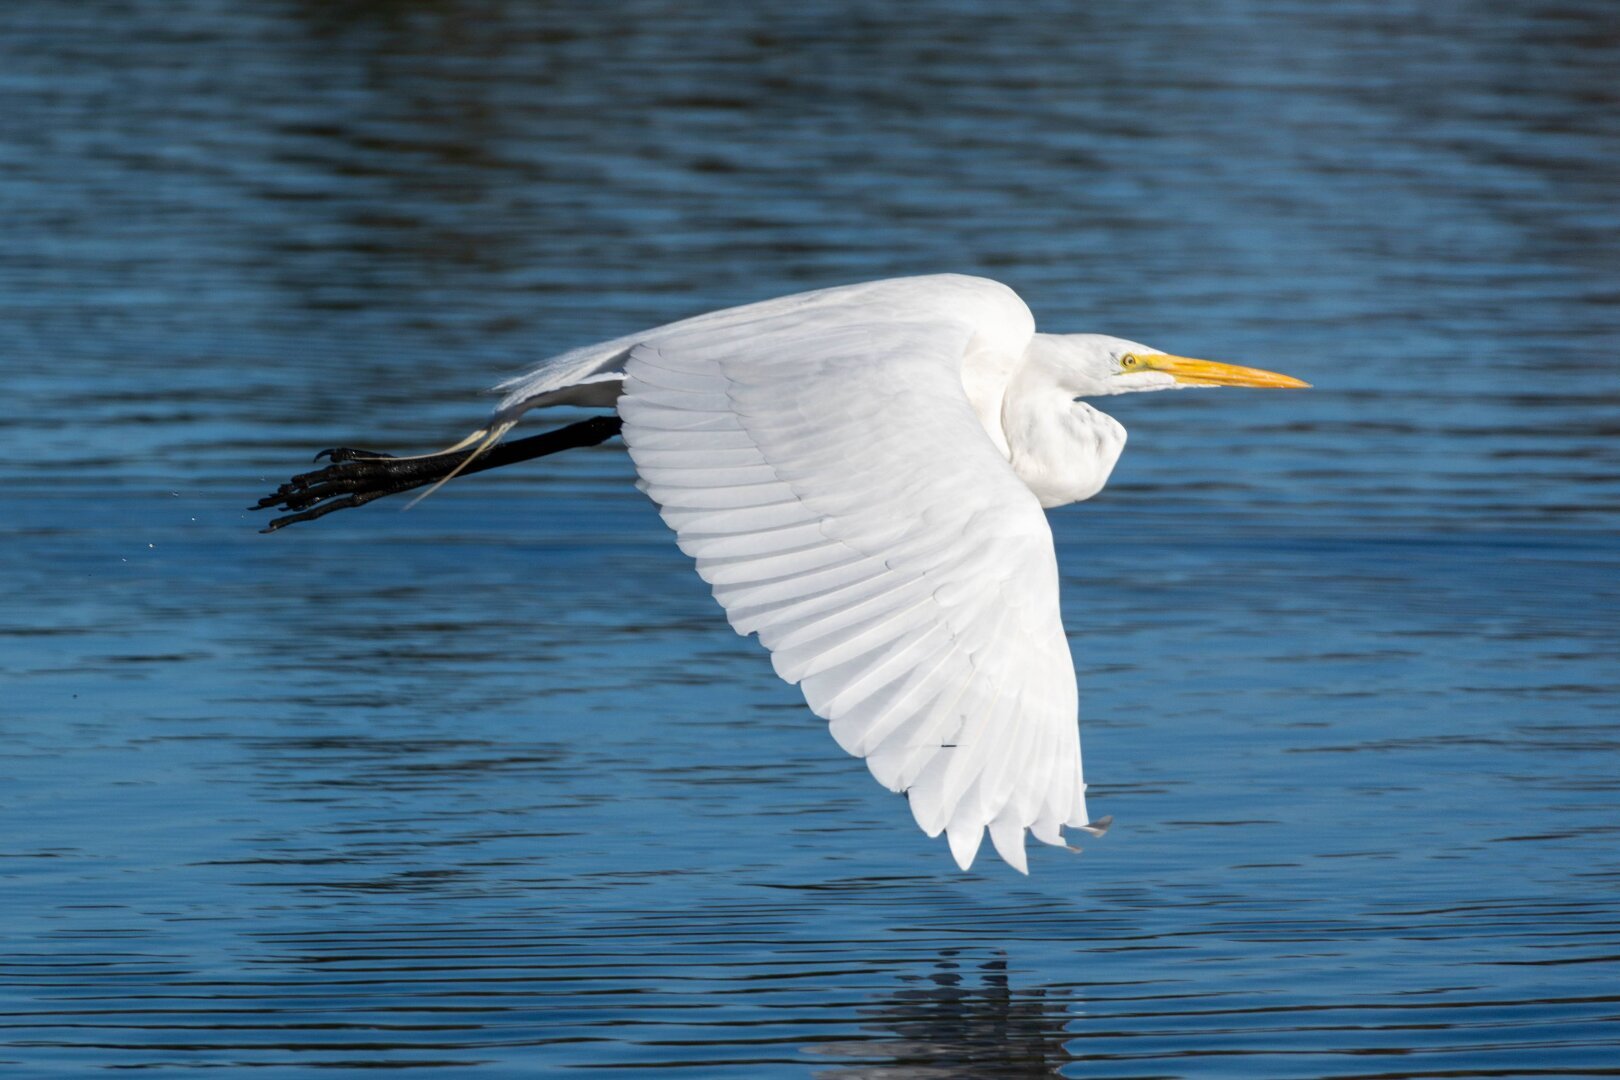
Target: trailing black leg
357, 477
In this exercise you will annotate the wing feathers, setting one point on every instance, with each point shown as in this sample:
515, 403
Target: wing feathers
737, 519
820, 461
652, 439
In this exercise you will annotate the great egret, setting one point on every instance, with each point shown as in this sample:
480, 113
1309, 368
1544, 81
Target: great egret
860, 473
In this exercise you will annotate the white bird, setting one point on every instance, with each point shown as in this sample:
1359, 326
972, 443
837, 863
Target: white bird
861, 475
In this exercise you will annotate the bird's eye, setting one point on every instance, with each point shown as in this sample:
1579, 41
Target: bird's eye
1128, 360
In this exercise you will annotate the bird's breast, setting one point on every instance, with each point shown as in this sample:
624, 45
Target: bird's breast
1064, 456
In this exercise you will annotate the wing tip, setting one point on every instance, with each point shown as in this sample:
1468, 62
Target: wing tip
965, 840
1007, 834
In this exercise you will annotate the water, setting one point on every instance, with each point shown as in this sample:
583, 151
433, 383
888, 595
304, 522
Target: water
489, 789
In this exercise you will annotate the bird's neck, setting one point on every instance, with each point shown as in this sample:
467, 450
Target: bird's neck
1063, 449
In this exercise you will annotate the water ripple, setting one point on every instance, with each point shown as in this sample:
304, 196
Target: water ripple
490, 788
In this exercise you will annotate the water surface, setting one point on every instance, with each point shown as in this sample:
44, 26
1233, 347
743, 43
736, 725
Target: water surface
490, 788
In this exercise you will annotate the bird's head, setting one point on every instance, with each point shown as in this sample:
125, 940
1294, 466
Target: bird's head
1094, 365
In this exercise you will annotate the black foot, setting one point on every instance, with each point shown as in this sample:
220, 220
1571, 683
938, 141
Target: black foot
354, 478
357, 477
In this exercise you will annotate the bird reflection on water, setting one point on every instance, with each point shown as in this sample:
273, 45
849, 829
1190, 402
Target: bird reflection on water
964, 1020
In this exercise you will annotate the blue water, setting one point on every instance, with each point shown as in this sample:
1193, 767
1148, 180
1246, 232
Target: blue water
489, 788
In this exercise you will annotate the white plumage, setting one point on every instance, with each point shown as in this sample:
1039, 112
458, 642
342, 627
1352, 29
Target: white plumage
860, 474
820, 459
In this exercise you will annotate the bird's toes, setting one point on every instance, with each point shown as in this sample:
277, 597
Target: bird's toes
310, 487
307, 512
338, 454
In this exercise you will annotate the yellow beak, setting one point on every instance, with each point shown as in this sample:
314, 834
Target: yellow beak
1208, 372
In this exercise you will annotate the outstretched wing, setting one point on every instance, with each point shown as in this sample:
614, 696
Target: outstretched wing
824, 467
